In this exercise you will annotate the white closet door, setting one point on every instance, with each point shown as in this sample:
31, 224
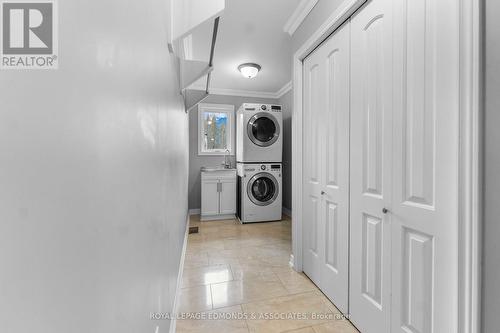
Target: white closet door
424, 218
371, 166
335, 176
314, 90
326, 147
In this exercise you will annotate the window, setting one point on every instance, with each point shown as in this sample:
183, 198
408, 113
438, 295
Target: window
215, 129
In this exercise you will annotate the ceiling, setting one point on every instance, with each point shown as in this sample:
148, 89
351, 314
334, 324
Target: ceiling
249, 31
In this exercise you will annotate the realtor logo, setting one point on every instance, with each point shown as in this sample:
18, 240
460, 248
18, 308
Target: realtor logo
29, 34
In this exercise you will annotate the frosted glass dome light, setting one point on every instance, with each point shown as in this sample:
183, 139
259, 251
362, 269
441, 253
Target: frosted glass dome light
249, 70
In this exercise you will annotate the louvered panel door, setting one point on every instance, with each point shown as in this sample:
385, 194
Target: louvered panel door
424, 212
371, 169
326, 166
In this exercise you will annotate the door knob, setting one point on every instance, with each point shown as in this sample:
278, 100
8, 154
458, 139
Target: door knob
323, 193
385, 210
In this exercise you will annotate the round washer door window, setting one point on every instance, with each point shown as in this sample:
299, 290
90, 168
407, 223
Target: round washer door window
263, 129
263, 189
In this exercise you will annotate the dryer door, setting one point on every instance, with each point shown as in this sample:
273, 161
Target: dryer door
262, 189
263, 129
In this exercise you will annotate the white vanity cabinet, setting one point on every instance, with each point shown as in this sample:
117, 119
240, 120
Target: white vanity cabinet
218, 194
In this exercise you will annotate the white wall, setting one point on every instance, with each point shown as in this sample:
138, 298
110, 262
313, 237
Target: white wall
196, 162
491, 256
93, 176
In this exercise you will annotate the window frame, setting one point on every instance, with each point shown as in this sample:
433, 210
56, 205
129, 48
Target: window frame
219, 108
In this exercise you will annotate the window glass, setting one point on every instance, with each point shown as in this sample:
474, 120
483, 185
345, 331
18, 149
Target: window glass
215, 131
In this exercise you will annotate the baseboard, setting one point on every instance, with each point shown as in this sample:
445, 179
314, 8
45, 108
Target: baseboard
217, 217
195, 211
287, 211
175, 308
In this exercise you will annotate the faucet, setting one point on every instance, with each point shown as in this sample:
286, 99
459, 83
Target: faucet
227, 162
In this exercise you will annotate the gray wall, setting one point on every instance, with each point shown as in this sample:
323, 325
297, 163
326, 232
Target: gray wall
196, 161
93, 174
491, 256
322, 10
287, 102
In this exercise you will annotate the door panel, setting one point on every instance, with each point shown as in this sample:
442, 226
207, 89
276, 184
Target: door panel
326, 167
417, 271
371, 159
332, 237
371, 264
372, 103
425, 221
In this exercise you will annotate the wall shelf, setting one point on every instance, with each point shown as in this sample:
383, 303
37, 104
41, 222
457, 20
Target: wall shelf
195, 24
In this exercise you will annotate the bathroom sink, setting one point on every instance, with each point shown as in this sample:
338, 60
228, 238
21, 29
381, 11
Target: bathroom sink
215, 169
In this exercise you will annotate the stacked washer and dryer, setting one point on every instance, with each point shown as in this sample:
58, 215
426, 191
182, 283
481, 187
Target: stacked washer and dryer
259, 146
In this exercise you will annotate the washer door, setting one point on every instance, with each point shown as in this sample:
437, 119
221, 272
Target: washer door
263, 189
263, 129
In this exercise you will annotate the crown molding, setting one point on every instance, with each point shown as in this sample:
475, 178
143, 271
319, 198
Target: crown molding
286, 88
248, 93
244, 93
298, 16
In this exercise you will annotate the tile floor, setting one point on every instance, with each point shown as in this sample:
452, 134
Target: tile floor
240, 275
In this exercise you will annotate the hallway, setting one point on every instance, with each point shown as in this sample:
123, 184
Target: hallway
239, 274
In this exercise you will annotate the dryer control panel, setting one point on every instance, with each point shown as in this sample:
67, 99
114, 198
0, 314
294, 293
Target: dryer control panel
261, 107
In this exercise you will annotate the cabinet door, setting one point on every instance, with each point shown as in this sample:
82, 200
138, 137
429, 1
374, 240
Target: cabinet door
227, 196
209, 197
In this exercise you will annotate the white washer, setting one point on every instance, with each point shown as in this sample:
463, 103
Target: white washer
259, 133
259, 192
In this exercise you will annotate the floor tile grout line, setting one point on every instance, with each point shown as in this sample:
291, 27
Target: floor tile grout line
211, 297
247, 234
263, 299
274, 269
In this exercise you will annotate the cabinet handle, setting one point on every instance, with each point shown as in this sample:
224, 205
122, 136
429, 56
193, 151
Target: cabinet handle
323, 192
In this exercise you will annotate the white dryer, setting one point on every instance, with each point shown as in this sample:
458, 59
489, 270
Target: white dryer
259, 192
259, 135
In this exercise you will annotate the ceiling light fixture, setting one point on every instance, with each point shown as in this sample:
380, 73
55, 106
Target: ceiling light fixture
249, 70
